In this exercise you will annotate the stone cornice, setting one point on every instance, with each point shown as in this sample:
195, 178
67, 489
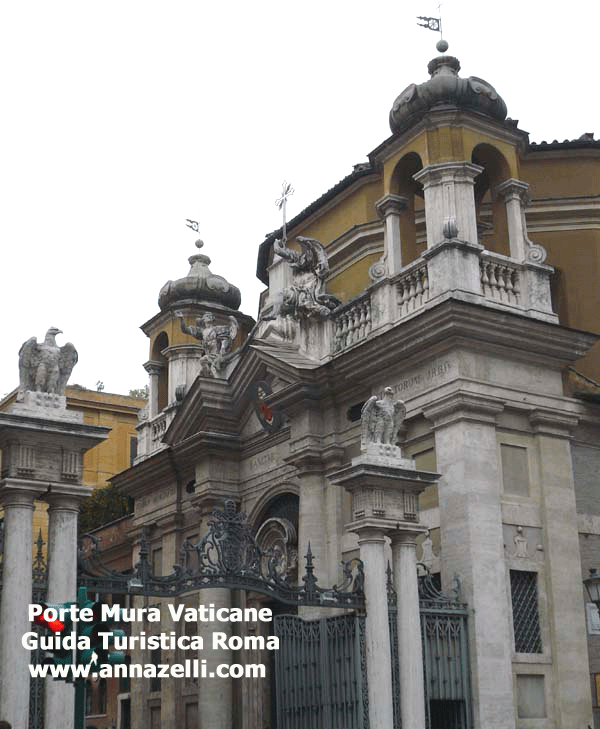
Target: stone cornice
461, 406
437, 174
556, 423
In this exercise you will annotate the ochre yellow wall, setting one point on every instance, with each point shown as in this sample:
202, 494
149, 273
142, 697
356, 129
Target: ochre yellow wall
561, 176
357, 208
354, 280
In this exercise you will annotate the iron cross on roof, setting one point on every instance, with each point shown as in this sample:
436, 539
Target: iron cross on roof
281, 202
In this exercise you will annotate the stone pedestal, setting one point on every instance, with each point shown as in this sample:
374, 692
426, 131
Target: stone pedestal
385, 489
17, 502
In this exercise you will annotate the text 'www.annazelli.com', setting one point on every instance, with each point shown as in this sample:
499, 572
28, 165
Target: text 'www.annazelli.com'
190, 668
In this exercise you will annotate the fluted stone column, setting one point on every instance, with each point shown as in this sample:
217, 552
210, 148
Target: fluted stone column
410, 650
63, 512
390, 208
16, 596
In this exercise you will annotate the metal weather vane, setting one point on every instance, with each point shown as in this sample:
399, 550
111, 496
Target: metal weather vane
434, 24
281, 202
193, 225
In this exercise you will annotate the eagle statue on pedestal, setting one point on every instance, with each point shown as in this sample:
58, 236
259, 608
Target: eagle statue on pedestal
45, 367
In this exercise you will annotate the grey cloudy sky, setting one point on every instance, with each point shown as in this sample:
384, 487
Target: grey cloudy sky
120, 119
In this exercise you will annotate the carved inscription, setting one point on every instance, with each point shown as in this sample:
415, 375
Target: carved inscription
424, 378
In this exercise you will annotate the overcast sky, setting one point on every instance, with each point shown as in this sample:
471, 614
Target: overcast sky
120, 119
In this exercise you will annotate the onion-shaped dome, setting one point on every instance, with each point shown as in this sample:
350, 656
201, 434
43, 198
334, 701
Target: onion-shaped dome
199, 286
445, 89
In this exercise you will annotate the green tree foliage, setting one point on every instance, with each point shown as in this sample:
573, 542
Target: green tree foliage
103, 506
140, 392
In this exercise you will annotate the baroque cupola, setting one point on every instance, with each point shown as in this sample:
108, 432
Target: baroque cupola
199, 286
197, 332
445, 90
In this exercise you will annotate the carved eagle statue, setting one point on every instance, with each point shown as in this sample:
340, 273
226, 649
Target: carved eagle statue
382, 418
45, 367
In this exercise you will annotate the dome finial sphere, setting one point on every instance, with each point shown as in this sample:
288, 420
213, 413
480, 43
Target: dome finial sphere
442, 46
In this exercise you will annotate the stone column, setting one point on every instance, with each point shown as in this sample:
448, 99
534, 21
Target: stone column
448, 189
410, 650
372, 544
566, 611
16, 596
153, 369
215, 707
473, 543
515, 194
63, 512
385, 489
390, 208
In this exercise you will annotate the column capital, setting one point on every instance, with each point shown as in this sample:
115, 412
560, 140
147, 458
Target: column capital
18, 495
391, 205
513, 189
153, 368
444, 172
65, 501
556, 423
407, 535
463, 406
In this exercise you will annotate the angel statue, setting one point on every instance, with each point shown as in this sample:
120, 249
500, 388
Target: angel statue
45, 367
306, 296
382, 419
216, 340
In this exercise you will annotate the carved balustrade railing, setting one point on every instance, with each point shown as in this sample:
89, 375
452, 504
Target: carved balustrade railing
500, 278
352, 322
412, 286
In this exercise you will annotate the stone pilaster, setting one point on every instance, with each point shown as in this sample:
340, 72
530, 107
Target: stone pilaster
184, 366
16, 596
473, 544
63, 512
410, 650
153, 369
449, 194
515, 194
568, 631
390, 208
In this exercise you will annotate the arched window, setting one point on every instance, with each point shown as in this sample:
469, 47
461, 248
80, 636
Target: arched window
492, 225
404, 185
89, 698
160, 343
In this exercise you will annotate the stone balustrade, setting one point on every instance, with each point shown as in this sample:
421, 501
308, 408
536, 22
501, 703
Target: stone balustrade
151, 432
500, 278
352, 322
412, 285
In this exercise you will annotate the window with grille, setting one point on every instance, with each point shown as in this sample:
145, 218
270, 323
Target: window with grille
526, 615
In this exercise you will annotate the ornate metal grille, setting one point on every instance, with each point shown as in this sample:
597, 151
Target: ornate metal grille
526, 616
320, 682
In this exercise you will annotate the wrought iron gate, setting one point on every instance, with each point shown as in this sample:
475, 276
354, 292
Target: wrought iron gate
320, 673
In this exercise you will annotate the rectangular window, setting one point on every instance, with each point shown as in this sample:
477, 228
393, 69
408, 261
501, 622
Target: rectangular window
133, 449
515, 470
526, 616
156, 659
155, 717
